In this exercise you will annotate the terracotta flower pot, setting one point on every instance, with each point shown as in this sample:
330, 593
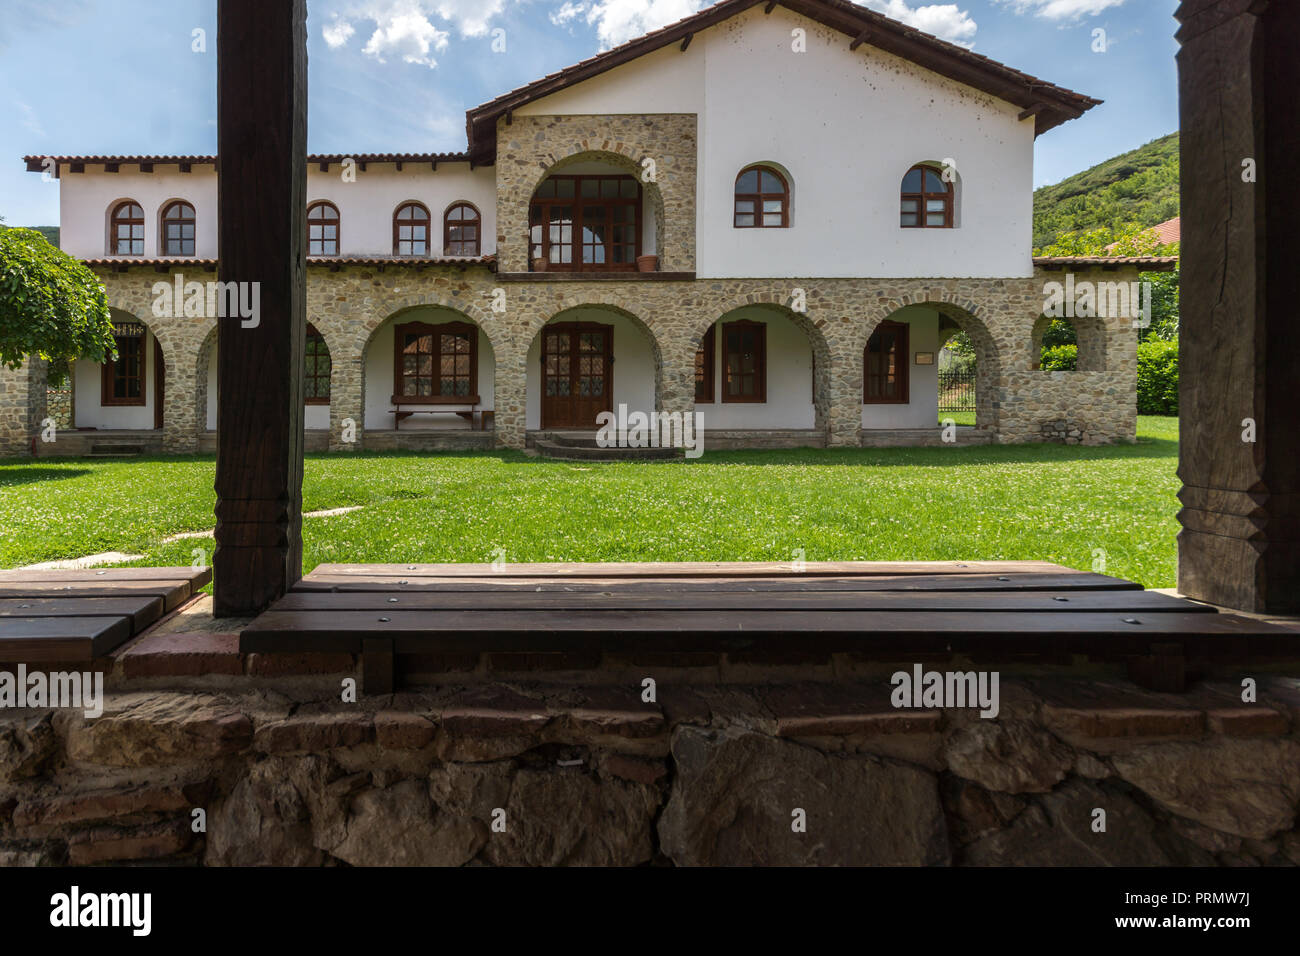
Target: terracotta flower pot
539, 265
647, 263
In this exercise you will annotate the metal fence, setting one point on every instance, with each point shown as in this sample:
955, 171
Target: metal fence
957, 390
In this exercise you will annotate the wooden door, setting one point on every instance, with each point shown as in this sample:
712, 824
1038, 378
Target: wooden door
577, 374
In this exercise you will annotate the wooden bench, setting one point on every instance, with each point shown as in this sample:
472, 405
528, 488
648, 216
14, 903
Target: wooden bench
404, 406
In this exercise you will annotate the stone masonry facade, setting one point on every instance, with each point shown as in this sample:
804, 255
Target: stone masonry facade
586, 772
1016, 402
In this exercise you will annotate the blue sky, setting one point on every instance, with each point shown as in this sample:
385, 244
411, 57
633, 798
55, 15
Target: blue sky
122, 76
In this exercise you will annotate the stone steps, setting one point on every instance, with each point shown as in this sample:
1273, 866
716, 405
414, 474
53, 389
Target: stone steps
558, 451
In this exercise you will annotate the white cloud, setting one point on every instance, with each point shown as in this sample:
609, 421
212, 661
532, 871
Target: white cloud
406, 29
617, 21
1061, 9
944, 20
22, 16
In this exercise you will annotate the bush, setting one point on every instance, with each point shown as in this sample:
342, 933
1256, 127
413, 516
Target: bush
1157, 377
1060, 358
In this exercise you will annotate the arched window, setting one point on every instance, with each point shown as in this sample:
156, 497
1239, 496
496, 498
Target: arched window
317, 373
178, 229
762, 199
460, 230
411, 230
926, 199
322, 229
126, 229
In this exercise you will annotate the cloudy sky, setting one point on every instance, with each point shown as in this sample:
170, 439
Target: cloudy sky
122, 76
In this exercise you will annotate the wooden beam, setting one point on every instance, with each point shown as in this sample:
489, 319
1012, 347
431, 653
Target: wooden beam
146, 167
1239, 457
261, 199
1032, 111
771, 5
112, 167
860, 39
686, 41
186, 167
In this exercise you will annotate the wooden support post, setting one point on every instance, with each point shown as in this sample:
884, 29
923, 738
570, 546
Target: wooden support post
261, 198
1240, 343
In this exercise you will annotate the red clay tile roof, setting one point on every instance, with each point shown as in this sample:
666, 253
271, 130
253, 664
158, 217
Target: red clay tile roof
1148, 263
1051, 104
126, 261
1166, 233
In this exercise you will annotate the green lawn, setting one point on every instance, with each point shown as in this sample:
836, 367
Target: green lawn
999, 502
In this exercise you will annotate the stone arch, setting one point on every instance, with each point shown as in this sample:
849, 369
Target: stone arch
203, 365
971, 318
825, 358
345, 395
618, 155
596, 299
1089, 334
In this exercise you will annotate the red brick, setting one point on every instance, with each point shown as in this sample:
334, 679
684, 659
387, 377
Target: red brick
1248, 721
614, 711
1093, 709
398, 731
297, 665
183, 655
819, 709
843, 725
494, 712
109, 845
315, 732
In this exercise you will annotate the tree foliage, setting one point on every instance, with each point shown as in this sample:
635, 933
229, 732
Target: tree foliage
51, 305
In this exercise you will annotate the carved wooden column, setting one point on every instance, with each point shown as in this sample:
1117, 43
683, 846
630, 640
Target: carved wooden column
262, 171
1239, 72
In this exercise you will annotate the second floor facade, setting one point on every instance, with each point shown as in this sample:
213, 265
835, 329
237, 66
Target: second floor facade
752, 140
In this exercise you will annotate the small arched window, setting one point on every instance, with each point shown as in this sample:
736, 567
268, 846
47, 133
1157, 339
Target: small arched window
762, 199
460, 230
126, 229
178, 229
316, 377
411, 230
322, 229
926, 200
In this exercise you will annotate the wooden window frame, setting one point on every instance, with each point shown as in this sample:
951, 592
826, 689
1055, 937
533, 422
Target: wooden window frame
759, 197
397, 226
115, 219
706, 363
312, 335
435, 330
760, 372
902, 346
924, 196
336, 222
192, 220
108, 370
579, 203
477, 222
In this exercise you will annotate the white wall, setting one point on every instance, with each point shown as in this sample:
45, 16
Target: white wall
314, 416
848, 126
789, 379
634, 364
379, 375
365, 207
86, 201
86, 389
922, 410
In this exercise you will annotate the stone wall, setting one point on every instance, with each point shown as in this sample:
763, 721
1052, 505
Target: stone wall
710, 773
22, 407
348, 304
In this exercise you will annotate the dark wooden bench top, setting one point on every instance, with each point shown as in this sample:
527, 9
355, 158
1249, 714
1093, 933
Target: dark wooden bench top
79, 615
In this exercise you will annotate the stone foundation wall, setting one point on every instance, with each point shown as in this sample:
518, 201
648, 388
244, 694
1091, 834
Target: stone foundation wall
562, 773
347, 306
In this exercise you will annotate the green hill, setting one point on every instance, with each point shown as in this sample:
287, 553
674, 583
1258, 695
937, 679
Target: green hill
1133, 191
